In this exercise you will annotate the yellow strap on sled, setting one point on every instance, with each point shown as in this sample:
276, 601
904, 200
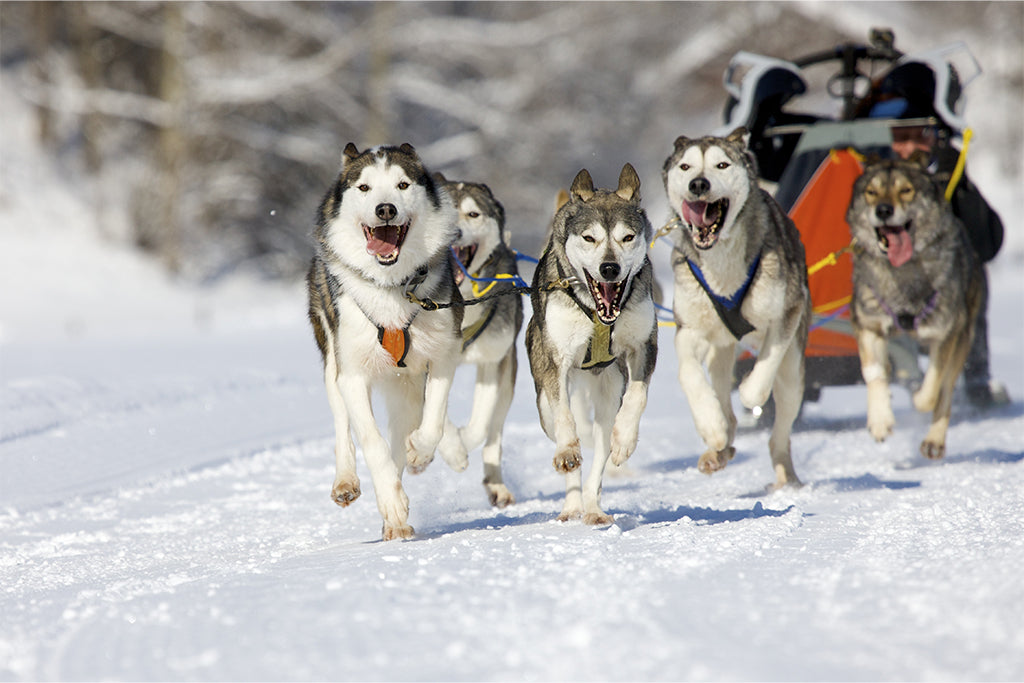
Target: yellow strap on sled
831, 259
961, 161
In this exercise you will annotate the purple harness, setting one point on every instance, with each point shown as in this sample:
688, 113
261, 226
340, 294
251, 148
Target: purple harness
904, 320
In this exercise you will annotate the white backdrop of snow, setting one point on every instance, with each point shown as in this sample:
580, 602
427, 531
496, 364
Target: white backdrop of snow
165, 465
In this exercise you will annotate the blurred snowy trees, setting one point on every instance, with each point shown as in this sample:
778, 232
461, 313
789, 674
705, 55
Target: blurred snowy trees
208, 132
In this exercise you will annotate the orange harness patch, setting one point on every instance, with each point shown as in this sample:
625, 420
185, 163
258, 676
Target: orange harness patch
395, 342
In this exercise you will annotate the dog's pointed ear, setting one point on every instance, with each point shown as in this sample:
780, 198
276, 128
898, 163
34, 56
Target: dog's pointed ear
741, 135
350, 153
680, 142
629, 184
561, 199
407, 148
439, 178
582, 186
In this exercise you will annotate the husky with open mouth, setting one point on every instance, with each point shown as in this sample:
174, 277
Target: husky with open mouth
382, 244
485, 271
740, 277
913, 273
592, 341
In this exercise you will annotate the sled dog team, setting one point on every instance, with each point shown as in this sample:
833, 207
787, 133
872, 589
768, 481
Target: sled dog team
413, 276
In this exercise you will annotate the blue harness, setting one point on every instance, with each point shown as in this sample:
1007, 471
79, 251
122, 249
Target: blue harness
728, 307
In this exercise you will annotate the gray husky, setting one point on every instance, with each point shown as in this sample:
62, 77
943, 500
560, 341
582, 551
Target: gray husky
592, 341
382, 242
484, 272
740, 276
913, 272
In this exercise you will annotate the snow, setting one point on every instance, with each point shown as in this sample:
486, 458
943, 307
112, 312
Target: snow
165, 470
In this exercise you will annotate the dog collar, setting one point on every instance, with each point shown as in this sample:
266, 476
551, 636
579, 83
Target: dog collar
728, 307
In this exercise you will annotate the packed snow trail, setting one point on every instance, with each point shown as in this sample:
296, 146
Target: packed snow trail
150, 536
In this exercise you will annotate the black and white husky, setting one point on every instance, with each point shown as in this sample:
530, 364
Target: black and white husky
486, 273
382, 243
592, 341
740, 276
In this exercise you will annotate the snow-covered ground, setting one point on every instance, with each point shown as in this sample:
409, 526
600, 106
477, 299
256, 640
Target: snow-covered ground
165, 469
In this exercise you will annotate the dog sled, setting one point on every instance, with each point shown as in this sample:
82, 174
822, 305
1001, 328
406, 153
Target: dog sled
810, 159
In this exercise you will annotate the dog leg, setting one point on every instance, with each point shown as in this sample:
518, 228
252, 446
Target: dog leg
757, 385
626, 430
874, 368
927, 396
788, 391
572, 508
422, 443
568, 456
720, 361
711, 423
345, 489
392, 501
494, 483
948, 360
452, 449
608, 387
485, 400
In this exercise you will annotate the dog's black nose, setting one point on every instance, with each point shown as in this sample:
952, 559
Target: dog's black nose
386, 212
884, 211
699, 186
609, 270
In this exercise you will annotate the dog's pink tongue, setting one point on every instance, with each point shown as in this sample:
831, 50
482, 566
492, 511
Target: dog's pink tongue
693, 212
700, 214
901, 247
382, 240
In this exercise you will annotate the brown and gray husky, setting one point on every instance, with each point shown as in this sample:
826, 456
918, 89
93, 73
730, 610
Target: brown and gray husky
914, 272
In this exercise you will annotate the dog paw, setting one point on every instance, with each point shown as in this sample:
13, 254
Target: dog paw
713, 427
881, 425
622, 447
499, 495
417, 455
598, 518
933, 450
345, 491
712, 460
570, 515
754, 394
396, 532
454, 452
567, 459
925, 399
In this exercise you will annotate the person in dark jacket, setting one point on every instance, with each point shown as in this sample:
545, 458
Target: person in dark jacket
907, 93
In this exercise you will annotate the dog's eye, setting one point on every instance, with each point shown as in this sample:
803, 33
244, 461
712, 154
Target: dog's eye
684, 167
870, 194
629, 238
723, 165
403, 185
473, 214
364, 188
588, 238
907, 192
